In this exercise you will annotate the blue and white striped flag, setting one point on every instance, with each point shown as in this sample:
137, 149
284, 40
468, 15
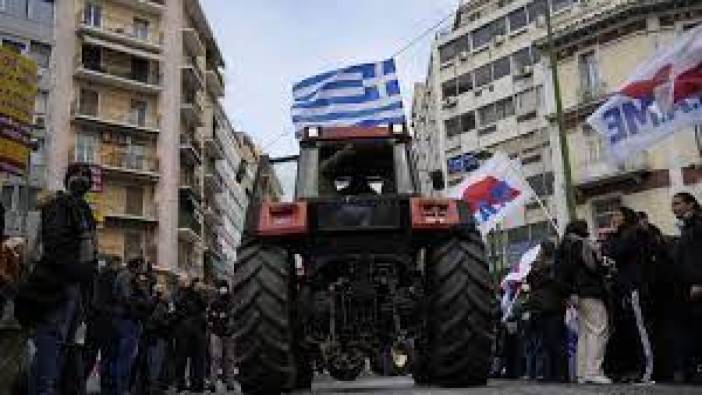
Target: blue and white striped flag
360, 95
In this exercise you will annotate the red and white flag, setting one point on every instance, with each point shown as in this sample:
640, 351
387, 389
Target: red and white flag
662, 96
493, 191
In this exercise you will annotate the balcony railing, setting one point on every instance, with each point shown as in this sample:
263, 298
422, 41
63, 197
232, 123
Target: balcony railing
130, 119
188, 222
111, 72
598, 169
124, 30
591, 91
122, 211
130, 162
190, 181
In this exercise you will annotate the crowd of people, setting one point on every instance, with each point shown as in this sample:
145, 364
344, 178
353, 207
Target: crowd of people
624, 308
90, 316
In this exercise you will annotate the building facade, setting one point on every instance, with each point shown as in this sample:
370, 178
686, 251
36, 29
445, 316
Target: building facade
135, 90
27, 26
599, 44
486, 88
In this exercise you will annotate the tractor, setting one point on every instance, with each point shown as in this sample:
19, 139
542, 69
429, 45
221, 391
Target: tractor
359, 271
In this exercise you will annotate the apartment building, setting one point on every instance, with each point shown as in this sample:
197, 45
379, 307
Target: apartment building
599, 44
486, 87
27, 26
426, 149
138, 84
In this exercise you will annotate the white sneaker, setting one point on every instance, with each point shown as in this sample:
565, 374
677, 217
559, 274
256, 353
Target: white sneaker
603, 380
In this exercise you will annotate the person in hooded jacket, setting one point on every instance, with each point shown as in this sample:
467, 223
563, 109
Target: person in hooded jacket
52, 299
581, 269
220, 324
631, 354
688, 282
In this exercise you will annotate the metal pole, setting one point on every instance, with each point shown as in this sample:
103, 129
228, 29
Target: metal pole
565, 153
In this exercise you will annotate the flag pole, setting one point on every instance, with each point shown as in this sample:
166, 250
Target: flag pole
538, 199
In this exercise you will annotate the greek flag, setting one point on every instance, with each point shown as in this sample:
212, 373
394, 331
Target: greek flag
360, 95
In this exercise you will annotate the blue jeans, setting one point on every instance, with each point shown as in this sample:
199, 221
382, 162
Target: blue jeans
127, 340
50, 339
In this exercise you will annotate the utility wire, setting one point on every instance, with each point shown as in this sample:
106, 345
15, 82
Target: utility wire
404, 48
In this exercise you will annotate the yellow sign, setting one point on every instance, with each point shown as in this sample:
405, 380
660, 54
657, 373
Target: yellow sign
96, 202
18, 86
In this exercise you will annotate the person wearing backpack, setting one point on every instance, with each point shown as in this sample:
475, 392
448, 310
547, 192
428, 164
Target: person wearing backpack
51, 299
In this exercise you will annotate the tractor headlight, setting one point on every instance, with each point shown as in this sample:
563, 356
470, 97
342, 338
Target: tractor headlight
313, 132
397, 128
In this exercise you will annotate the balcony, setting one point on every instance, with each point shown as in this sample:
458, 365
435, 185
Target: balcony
191, 108
213, 147
190, 186
598, 171
213, 216
189, 228
190, 148
192, 73
133, 121
192, 42
215, 82
136, 215
213, 181
123, 32
129, 164
118, 77
154, 7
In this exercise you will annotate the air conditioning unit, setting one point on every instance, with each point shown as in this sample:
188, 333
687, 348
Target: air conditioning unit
541, 21
40, 122
523, 71
463, 55
499, 39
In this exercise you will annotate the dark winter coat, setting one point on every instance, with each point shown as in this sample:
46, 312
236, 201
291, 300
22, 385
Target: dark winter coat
132, 301
547, 293
160, 322
575, 274
219, 318
65, 220
627, 248
191, 308
688, 255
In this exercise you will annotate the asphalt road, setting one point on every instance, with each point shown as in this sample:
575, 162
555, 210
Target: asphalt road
405, 385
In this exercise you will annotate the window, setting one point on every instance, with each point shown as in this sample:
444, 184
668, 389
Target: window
468, 121
487, 115
88, 102
536, 9
482, 36
504, 108
449, 89
594, 144
138, 112
483, 75
589, 76
3, 8
40, 53
517, 19
501, 68
542, 184
87, 147
133, 247
41, 11
135, 201
92, 15
453, 126
41, 102
527, 100
92, 57
557, 5
141, 29
135, 156
140, 69
13, 45
465, 83
499, 27
603, 210
522, 58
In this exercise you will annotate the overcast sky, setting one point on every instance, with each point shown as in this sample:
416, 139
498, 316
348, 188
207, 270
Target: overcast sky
270, 44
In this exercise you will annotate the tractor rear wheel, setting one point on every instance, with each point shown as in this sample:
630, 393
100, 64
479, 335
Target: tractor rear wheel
263, 298
458, 324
